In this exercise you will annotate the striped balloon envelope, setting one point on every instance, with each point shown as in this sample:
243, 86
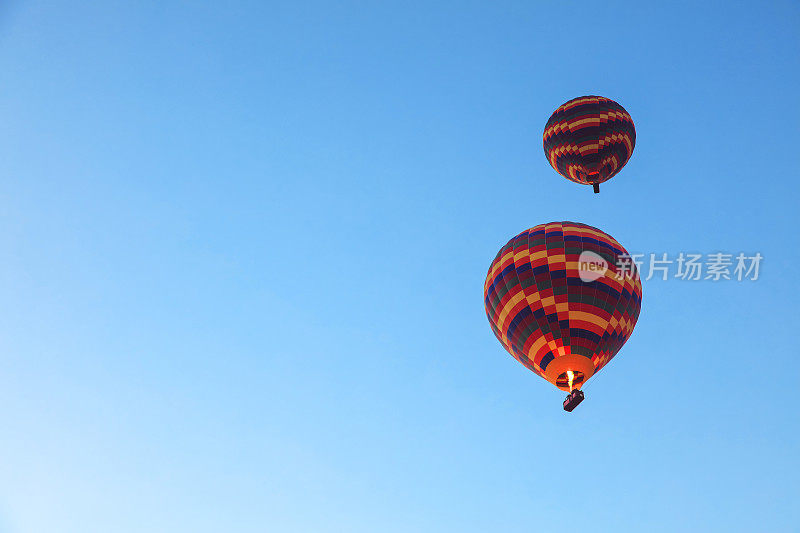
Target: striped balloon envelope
563, 298
589, 139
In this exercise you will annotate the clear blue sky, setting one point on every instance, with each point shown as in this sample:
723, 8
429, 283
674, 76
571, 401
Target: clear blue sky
244, 244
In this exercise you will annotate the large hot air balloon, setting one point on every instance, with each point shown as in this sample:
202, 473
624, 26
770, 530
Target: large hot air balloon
563, 298
589, 139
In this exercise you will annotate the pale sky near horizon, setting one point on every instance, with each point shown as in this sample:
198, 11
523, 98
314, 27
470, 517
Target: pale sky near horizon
244, 245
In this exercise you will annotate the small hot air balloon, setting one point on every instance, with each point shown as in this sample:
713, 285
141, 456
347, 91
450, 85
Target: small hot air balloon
589, 139
563, 298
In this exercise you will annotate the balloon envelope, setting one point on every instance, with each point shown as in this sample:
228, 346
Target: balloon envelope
563, 298
589, 139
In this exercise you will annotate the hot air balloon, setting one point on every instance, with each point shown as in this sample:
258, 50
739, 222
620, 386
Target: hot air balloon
563, 298
589, 139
